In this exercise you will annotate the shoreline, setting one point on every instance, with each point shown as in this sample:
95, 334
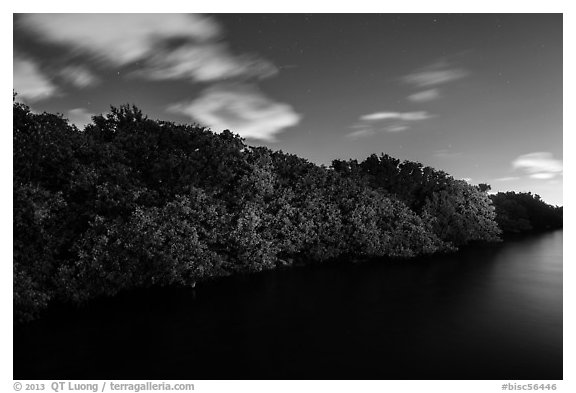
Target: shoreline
339, 262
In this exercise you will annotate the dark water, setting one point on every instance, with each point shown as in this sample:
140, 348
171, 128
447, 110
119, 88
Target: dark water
491, 312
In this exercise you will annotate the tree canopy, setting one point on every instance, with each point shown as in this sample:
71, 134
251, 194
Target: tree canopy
524, 212
134, 202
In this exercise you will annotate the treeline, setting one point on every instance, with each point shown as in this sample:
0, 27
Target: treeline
133, 202
525, 212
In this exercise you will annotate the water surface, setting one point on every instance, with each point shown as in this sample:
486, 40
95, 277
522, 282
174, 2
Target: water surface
489, 312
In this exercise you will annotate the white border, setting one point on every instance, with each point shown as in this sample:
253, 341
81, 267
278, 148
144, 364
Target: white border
420, 6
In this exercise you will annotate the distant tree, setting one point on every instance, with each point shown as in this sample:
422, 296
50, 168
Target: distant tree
484, 187
461, 213
525, 212
454, 210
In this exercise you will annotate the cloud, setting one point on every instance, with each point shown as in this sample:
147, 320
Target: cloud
434, 77
80, 117
165, 46
543, 175
378, 122
79, 76
29, 82
396, 128
424, 96
406, 116
361, 133
367, 130
169, 47
241, 109
119, 38
538, 165
507, 178
205, 63
429, 78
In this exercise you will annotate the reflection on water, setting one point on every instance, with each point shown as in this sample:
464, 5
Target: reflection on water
491, 312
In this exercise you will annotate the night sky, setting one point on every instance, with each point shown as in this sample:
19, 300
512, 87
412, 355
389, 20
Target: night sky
476, 95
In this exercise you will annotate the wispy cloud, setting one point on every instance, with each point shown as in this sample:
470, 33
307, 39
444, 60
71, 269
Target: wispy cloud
406, 116
539, 165
79, 76
386, 121
166, 46
434, 77
188, 47
430, 78
242, 109
361, 133
507, 178
424, 96
205, 63
396, 128
543, 175
29, 82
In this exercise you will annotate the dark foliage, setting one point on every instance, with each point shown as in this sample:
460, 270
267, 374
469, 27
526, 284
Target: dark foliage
525, 212
453, 210
133, 202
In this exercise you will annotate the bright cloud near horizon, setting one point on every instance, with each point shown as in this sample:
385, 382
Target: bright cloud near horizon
539, 165
241, 109
80, 117
478, 96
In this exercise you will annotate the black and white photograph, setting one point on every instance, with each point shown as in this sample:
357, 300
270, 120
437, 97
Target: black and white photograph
288, 196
